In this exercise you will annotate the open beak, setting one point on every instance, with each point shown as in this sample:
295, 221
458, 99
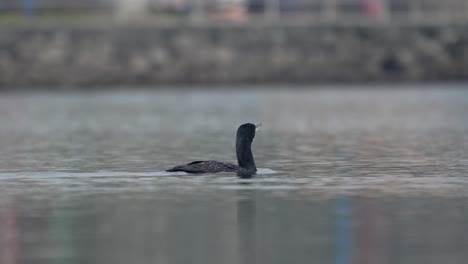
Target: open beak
258, 126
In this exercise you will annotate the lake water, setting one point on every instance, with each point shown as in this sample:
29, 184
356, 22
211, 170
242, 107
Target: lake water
357, 175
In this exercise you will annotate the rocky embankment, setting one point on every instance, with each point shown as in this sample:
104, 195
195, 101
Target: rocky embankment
81, 56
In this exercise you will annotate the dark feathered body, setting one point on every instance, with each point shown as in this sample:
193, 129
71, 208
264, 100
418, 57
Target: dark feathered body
206, 166
246, 167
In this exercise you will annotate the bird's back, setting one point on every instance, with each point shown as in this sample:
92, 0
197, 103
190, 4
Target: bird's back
209, 166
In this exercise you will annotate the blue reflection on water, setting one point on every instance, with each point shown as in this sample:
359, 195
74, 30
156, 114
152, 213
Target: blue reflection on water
29, 7
343, 230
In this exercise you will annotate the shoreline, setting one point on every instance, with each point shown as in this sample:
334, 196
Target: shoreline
175, 55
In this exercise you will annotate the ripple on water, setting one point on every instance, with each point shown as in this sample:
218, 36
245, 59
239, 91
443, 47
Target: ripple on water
267, 179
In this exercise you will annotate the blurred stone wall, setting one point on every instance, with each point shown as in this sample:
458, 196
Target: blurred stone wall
85, 56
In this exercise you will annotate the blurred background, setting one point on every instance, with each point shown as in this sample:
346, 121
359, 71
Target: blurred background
147, 42
362, 156
241, 10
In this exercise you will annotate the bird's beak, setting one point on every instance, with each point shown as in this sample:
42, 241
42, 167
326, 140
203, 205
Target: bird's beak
258, 126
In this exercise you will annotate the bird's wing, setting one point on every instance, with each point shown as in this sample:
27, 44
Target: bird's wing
205, 167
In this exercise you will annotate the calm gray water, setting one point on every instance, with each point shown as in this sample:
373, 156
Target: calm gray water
355, 175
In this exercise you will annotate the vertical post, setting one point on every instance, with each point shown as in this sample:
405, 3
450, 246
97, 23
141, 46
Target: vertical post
462, 8
466, 9
198, 10
30, 8
415, 10
377, 9
131, 10
385, 12
454, 9
441, 9
330, 10
272, 10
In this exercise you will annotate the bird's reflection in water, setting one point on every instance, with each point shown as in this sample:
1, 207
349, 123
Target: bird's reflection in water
246, 225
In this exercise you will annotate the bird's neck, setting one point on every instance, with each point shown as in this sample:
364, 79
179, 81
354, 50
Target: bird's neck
244, 155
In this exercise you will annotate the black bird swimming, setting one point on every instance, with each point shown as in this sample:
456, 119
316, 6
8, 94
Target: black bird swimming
246, 168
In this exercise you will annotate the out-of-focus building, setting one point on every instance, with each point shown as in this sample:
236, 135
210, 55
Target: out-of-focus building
239, 10
45, 5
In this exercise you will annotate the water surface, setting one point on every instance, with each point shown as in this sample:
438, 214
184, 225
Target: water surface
357, 175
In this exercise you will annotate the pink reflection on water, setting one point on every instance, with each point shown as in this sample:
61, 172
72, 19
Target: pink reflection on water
9, 234
371, 234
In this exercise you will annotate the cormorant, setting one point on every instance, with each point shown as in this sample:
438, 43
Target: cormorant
246, 167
